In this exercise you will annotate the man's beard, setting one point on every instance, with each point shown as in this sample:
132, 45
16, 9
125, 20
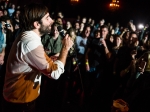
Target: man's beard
44, 29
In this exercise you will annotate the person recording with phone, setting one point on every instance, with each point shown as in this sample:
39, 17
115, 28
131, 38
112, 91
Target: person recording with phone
8, 30
6, 35
2, 46
27, 60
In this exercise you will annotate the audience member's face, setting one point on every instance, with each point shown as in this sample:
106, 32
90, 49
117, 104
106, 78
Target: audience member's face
81, 26
1, 13
104, 32
112, 32
5, 12
89, 20
17, 14
111, 27
13, 6
118, 40
55, 31
2, 7
133, 39
111, 39
3, 25
147, 25
87, 32
77, 26
97, 35
46, 24
127, 35
92, 22
68, 25
84, 20
59, 20
101, 22
18, 7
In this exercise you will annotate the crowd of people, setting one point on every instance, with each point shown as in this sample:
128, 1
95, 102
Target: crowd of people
98, 67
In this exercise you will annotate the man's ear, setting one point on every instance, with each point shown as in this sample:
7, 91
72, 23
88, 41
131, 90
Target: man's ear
36, 24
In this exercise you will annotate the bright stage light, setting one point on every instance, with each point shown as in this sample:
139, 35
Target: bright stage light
140, 26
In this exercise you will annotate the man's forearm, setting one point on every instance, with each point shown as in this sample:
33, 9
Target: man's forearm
3, 52
108, 54
63, 55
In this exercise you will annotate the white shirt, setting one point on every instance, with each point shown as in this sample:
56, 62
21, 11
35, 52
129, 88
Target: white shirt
26, 61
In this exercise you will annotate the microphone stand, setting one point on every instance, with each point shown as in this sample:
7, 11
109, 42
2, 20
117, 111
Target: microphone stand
79, 71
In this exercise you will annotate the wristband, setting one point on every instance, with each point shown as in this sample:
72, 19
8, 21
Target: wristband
86, 63
74, 62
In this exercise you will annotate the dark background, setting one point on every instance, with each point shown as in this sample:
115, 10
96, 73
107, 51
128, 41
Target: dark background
137, 10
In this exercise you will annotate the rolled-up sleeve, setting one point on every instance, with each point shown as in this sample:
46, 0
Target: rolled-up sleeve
38, 59
55, 74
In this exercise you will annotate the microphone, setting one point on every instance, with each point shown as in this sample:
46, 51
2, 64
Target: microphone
100, 39
61, 31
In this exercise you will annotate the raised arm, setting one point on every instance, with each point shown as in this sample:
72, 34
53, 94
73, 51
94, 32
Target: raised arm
38, 59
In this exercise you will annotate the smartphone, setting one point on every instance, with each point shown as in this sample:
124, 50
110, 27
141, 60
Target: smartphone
7, 25
100, 41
